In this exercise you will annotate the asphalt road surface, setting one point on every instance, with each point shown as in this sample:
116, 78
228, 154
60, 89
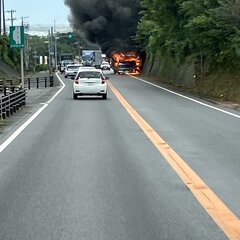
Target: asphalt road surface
83, 169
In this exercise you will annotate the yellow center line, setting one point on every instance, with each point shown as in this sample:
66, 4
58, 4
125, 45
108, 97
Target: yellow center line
220, 213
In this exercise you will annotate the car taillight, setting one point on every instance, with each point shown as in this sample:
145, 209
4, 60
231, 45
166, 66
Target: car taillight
104, 79
77, 80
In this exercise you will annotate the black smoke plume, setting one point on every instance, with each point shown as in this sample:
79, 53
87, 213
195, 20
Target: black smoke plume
107, 23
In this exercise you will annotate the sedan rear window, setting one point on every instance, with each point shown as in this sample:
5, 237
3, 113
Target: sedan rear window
90, 75
72, 67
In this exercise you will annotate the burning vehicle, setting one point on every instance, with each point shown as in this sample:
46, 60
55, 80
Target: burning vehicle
126, 62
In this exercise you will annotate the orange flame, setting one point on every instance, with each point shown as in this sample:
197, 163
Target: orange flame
128, 57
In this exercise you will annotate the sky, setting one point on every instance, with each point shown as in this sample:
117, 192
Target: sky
39, 14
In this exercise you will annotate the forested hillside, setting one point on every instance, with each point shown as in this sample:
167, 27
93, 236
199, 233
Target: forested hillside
8, 55
206, 32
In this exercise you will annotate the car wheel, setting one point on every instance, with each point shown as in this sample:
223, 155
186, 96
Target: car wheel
75, 96
65, 76
104, 96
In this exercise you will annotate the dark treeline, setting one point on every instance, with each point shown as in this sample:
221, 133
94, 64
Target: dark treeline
185, 29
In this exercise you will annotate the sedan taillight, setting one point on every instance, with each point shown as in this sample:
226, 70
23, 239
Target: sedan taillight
104, 79
77, 81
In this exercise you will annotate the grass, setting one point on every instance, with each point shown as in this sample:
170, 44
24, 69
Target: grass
222, 87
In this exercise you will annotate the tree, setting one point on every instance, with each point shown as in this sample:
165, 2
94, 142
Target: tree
8, 55
188, 28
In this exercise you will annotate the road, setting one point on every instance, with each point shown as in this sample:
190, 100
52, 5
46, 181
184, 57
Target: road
84, 169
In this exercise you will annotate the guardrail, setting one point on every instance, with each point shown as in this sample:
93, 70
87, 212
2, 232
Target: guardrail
5, 83
33, 82
14, 96
12, 102
39, 82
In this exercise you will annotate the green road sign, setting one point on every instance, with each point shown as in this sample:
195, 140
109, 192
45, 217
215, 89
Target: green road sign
16, 37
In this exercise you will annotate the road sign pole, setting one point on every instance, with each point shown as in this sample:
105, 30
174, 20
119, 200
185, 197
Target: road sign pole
22, 69
17, 40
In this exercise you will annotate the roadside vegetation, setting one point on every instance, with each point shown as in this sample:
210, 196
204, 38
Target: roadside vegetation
206, 32
8, 55
66, 43
38, 46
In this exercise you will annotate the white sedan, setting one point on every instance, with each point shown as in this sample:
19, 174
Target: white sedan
105, 66
90, 81
71, 70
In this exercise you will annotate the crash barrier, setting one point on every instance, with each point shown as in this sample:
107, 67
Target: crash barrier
31, 82
40, 82
5, 83
11, 102
1, 85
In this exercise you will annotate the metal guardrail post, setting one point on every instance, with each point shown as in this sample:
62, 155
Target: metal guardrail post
11, 106
3, 108
0, 108
14, 106
24, 97
7, 107
51, 80
12, 102
17, 106
29, 83
19, 101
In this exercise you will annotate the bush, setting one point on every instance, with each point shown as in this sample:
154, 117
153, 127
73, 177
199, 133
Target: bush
42, 67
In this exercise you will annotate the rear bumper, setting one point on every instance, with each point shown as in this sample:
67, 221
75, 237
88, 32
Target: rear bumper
71, 73
126, 70
90, 90
90, 94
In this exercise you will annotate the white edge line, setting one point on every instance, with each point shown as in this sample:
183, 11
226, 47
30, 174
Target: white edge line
63, 86
25, 124
188, 98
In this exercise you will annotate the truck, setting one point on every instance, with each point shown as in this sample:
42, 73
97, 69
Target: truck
126, 62
67, 56
65, 59
91, 58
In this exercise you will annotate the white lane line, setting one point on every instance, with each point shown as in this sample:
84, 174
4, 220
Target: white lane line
21, 128
25, 124
63, 86
188, 98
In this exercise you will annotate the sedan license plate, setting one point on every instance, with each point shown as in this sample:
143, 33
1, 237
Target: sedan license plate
90, 84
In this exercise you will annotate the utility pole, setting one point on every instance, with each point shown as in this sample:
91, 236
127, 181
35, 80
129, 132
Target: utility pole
51, 48
4, 21
26, 48
23, 23
11, 19
0, 17
55, 44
